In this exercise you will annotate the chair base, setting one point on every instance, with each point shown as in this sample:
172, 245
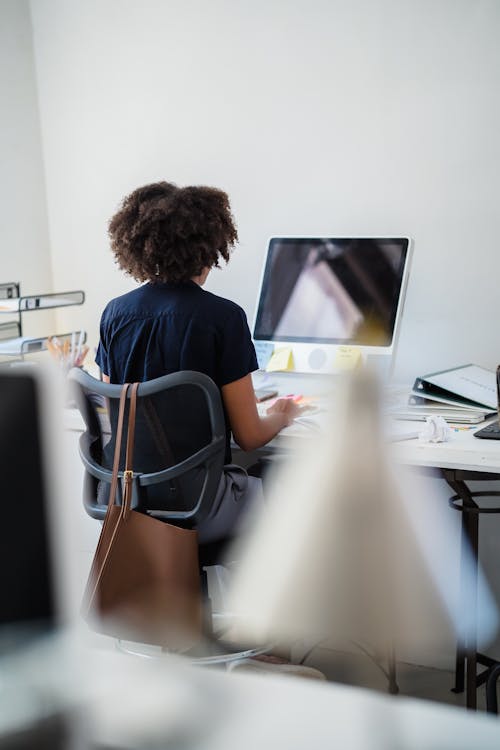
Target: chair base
222, 654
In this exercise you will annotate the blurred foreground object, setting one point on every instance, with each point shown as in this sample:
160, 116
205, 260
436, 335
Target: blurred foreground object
28, 603
343, 550
107, 700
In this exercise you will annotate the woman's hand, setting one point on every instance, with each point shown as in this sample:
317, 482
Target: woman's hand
286, 406
250, 430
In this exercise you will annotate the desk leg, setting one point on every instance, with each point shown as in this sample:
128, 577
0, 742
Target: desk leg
467, 652
392, 687
461, 645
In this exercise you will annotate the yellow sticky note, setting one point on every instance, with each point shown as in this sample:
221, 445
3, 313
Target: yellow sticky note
347, 358
282, 360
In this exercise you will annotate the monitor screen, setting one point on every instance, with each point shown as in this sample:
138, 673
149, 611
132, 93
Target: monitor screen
332, 290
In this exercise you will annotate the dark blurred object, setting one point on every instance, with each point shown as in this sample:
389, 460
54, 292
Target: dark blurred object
27, 600
48, 733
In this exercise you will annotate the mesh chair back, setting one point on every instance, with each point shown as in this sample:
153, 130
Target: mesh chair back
179, 444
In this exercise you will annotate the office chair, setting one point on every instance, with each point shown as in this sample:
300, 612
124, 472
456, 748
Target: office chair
178, 463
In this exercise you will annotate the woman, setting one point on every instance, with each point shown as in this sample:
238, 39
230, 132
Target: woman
171, 238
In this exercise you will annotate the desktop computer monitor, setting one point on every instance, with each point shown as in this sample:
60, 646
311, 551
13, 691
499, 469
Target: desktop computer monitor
318, 293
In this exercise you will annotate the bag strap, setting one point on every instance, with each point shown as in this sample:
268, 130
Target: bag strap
128, 474
97, 567
118, 445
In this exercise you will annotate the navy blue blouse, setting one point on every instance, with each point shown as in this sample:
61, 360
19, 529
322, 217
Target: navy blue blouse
162, 328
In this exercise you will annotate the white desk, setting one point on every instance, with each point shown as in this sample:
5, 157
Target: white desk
462, 451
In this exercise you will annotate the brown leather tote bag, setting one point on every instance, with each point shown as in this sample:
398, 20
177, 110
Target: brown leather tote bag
144, 582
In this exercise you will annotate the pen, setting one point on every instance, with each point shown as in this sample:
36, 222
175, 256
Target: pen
80, 359
65, 352
79, 347
52, 348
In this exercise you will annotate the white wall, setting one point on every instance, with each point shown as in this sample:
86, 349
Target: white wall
331, 116
24, 244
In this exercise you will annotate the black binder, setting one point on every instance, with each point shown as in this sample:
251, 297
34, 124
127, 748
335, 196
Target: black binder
425, 391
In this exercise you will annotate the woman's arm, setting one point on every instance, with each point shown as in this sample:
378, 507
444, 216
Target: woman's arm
250, 430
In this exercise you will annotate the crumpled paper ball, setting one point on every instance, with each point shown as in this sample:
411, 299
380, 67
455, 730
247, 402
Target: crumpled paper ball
435, 430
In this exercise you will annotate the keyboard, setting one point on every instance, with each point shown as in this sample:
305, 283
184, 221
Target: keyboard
490, 432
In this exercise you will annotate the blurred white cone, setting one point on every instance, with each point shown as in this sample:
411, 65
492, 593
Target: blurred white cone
337, 552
